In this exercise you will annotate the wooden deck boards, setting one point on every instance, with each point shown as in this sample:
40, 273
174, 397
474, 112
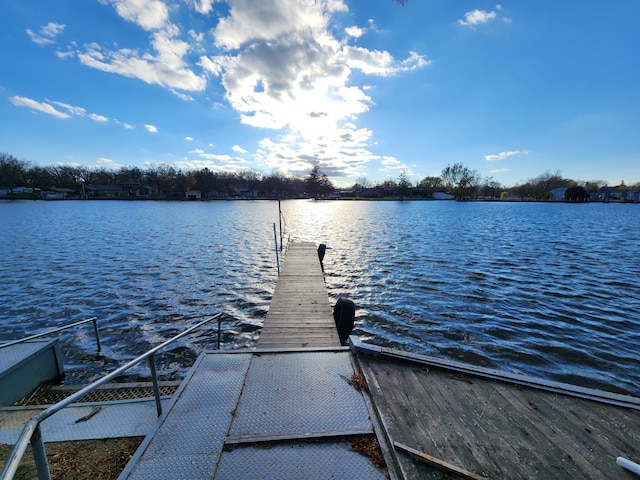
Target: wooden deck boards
300, 314
497, 429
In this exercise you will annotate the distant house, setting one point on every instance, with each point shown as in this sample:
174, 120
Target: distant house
508, 197
55, 193
557, 194
130, 189
371, 193
193, 195
620, 194
243, 192
6, 191
103, 191
442, 196
629, 196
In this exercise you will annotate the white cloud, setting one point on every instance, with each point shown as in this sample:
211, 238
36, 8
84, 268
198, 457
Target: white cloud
213, 161
80, 112
283, 65
505, 155
98, 118
125, 125
38, 106
65, 55
342, 154
393, 164
189, 139
477, 17
196, 37
149, 14
182, 96
375, 62
151, 128
49, 107
204, 6
46, 34
238, 149
499, 170
283, 69
355, 32
222, 158
165, 67
52, 29
107, 163
268, 20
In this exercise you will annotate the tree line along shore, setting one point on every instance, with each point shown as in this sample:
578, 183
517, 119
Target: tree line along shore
21, 179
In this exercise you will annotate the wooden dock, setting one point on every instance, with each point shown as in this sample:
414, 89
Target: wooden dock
495, 424
300, 315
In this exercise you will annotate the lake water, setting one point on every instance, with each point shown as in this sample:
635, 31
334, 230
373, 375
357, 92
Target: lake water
549, 290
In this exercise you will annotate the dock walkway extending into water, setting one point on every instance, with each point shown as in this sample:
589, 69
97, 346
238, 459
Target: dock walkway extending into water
284, 410
300, 315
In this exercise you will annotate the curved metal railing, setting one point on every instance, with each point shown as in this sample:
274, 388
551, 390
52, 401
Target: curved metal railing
31, 433
56, 330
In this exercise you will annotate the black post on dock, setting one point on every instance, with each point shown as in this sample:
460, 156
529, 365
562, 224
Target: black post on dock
280, 220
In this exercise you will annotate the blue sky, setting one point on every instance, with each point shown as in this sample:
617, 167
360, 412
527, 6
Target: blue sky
367, 88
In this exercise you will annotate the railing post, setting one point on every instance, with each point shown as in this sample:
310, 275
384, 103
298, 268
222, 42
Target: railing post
154, 379
40, 455
219, 322
280, 219
275, 238
95, 329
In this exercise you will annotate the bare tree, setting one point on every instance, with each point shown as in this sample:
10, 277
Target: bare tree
404, 185
431, 183
460, 180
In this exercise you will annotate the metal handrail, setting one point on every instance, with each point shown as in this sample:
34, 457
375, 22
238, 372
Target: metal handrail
56, 330
31, 432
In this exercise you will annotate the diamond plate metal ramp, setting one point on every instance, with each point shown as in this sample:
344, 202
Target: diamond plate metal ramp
318, 461
299, 395
189, 439
131, 418
236, 399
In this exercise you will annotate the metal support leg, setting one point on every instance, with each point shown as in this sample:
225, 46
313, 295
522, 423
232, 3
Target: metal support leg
219, 322
40, 455
95, 329
156, 389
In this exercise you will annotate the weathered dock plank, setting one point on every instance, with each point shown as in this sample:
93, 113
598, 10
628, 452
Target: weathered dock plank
496, 428
300, 314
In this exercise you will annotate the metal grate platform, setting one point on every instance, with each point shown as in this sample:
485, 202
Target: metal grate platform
132, 418
288, 399
302, 460
50, 394
299, 395
190, 438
